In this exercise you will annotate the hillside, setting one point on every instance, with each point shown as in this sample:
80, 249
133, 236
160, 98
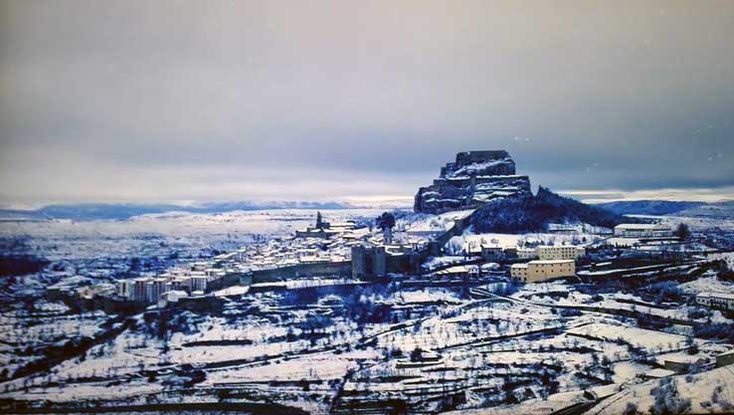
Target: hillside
533, 214
720, 210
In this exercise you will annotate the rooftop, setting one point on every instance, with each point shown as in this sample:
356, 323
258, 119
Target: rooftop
659, 373
681, 358
558, 246
717, 295
640, 226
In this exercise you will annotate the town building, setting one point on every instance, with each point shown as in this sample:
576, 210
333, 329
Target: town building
323, 229
519, 272
92, 291
369, 262
643, 230
138, 289
559, 252
198, 283
542, 270
657, 373
725, 359
527, 253
171, 297
459, 271
680, 362
124, 289
720, 301
492, 252
150, 290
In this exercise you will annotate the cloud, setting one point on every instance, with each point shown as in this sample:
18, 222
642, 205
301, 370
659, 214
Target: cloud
179, 99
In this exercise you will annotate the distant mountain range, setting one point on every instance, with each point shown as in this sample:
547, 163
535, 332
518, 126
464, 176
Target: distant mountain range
721, 210
122, 211
96, 211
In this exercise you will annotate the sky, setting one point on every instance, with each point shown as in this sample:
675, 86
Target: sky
150, 101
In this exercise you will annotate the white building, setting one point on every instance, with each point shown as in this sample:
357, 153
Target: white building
124, 289
198, 283
174, 296
527, 253
542, 270
144, 289
559, 252
721, 301
138, 291
643, 230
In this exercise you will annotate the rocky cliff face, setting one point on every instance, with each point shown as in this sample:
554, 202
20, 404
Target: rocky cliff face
476, 177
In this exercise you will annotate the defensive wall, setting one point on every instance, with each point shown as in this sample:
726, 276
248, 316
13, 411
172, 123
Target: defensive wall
316, 269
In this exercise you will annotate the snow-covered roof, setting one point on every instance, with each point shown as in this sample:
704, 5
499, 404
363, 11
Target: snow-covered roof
457, 269
551, 261
552, 247
659, 373
640, 226
681, 358
725, 296
178, 292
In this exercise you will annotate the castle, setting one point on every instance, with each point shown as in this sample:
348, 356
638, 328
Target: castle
476, 177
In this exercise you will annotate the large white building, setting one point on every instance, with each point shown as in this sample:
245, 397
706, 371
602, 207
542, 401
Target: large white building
559, 252
543, 270
527, 253
642, 230
551, 252
721, 301
150, 290
198, 283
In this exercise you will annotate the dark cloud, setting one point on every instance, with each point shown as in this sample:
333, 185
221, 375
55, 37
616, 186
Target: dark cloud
231, 100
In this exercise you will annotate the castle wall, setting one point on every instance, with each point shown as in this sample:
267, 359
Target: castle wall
343, 268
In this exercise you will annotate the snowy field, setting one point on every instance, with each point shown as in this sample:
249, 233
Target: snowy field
60, 239
496, 352
497, 348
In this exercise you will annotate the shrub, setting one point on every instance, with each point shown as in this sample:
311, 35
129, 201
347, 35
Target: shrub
416, 355
698, 313
570, 312
667, 399
630, 409
720, 331
666, 291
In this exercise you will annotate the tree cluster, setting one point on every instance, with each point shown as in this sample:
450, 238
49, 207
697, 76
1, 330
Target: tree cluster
534, 213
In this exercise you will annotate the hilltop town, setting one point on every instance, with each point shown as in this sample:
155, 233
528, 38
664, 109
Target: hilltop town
485, 297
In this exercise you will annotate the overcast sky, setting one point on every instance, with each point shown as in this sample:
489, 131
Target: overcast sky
283, 100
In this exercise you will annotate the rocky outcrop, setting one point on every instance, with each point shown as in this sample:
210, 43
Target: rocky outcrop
475, 178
